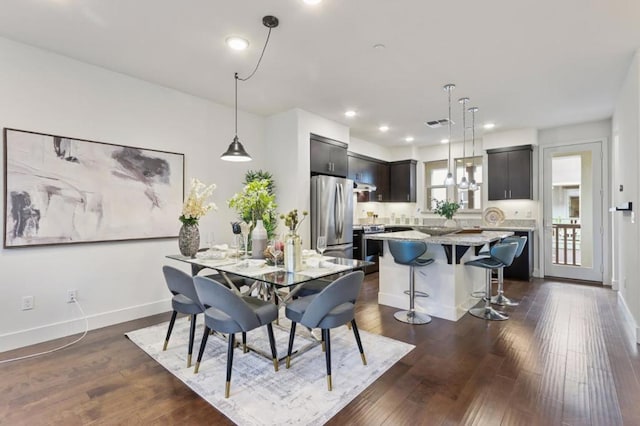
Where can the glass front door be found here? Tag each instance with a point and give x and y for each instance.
(573, 212)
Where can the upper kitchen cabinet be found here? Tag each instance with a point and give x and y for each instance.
(402, 181)
(510, 173)
(328, 156)
(363, 169)
(382, 183)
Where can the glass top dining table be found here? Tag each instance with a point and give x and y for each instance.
(313, 267)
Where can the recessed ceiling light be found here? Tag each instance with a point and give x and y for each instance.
(312, 2)
(383, 128)
(350, 113)
(409, 139)
(444, 141)
(489, 125)
(237, 43)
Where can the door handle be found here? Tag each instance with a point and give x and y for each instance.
(505, 193)
(509, 193)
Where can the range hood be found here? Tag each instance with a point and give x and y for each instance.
(363, 187)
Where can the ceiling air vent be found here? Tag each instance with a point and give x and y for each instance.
(438, 123)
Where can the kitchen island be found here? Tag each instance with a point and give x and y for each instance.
(448, 281)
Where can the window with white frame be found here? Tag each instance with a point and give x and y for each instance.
(471, 167)
(435, 173)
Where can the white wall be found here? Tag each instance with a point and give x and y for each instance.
(625, 156)
(508, 138)
(288, 157)
(53, 94)
(360, 146)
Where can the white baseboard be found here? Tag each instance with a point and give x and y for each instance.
(630, 320)
(615, 285)
(31, 336)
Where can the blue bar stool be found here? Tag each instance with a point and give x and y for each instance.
(501, 255)
(500, 299)
(408, 253)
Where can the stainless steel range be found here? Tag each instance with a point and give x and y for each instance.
(365, 249)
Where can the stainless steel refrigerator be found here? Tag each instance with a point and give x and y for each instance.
(332, 214)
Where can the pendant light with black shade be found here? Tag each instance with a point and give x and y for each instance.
(236, 151)
(449, 181)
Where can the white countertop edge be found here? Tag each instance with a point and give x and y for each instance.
(453, 239)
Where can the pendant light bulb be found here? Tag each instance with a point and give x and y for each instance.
(449, 181)
(464, 184)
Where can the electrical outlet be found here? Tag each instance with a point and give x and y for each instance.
(27, 303)
(72, 295)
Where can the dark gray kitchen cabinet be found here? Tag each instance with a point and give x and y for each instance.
(510, 173)
(363, 169)
(402, 181)
(382, 183)
(328, 156)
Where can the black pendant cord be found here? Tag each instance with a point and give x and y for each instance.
(259, 59)
(236, 78)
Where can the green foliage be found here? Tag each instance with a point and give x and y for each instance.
(445, 208)
(257, 200)
(253, 175)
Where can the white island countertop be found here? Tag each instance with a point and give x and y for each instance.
(449, 282)
(461, 239)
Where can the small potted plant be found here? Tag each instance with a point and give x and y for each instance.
(446, 209)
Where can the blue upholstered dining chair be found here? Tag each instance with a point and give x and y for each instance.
(227, 312)
(409, 253)
(500, 299)
(332, 307)
(185, 301)
(501, 255)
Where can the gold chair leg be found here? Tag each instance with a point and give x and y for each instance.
(195, 371)
(166, 342)
(227, 388)
(329, 385)
(189, 361)
(244, 348)
(364, 359)
(288, 361)
(275, 364)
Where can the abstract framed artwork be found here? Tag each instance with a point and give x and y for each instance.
(61, 190)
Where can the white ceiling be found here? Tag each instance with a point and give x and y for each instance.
(524, 63)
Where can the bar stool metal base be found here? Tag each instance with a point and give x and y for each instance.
(412, 317)
(488, 313)
(502, 300)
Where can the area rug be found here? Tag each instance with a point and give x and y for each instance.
(261, 396)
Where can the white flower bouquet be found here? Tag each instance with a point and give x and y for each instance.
(196, 206)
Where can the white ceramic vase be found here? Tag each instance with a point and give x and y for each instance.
(258, 240)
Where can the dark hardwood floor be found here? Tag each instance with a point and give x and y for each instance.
(563, 358)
